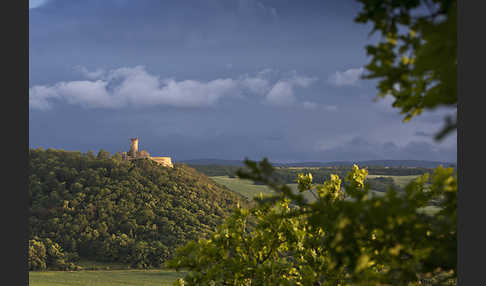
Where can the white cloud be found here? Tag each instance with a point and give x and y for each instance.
(282, 93)
(41, 96)
(134, 86)
(36, 3)
(348, 77)
(277, 88)
(131, 86)
(257, 85)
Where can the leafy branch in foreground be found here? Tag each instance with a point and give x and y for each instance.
(416, 59)
(344, 237)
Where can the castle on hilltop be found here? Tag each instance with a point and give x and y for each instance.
(134, 154)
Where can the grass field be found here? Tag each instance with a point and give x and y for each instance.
(249, 190)
(97, 265)
(243, 187)
(400, 181)
(104, 278)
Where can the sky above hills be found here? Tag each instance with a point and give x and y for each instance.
(222, 79)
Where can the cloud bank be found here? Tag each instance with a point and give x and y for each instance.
(135, 86)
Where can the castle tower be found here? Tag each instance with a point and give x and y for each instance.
(133, 147)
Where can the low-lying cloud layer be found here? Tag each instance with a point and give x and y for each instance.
(135, 86)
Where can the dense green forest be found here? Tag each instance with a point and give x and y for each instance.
(104, 209)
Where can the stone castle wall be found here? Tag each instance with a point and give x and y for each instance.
(164, 161)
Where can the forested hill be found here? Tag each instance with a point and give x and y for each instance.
(105, 209)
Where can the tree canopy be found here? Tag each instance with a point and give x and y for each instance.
(103, 209)
(416, 59)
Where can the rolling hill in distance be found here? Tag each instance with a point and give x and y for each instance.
(381, 163)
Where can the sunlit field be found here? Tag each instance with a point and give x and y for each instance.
(104, 277)
(250, 190)
(400, 181)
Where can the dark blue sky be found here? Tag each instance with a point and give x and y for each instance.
(215, 79)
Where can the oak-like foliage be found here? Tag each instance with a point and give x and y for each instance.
(345, 237)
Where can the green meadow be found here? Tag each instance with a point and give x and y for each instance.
(243, 187)
(250, 190)
(104, 277)
(400, 181)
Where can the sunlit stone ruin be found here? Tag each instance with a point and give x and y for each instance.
(134, 154)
